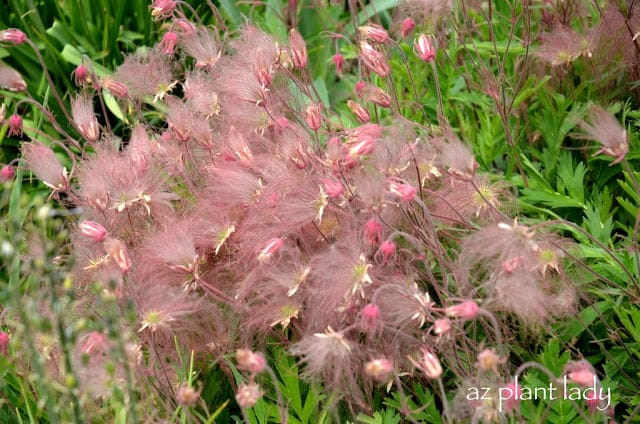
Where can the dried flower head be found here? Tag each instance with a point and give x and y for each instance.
(84, 118)
(606, 129)
(42, 161)
(298, 49)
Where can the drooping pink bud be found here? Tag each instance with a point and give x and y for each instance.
(169, 42)
(81, 75)
(581, 373)
(333, 188)
(387, 249)
(313, 116)
(298, 49)
(187, 395)
(510, 397)
(117, 251)
(373, 231)
(15, 125)
(7, 173)
(370, 316)
(185, 26)
(379, 369)
(360, 88)
(271, 248)
(425, 48)
(338, 61)
(466, 310)
(4, 343)
(406, 27)
(374, 60)
(374, 33)
(405, 191)
(361, 113)
(116, 88)
(253, 362)
(365, 145)
(441, 326)
(93, 230)
(95, 343)
(162, 9)
(13, 35)
(429, 364)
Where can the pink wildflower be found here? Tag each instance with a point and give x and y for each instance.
(12, 35)
(424, 48)
(338, 61)
(248, 395)
(84, 118)
(373, 231)
(92, 230)
(187, 395)
(169, 42)
(118, 89)
(7, 173)
(581, 373)
(429, 364)
(162, 9)
(374, 33)
(387, 250)
(406, 27)
(374, 59)
(441, 326)
(466, 310)
(405, 191)
(81, 75)
(271, 248)
(361, 113)
(298, 49)
(94, 343)
(117, 250)
(333, 188)
(15, 125)
(253, 362)
(313, 116)
(510, 395)
(42, 161)
(4, 343)
(10, 79)
(379, 369)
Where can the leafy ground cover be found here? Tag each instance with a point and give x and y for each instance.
(314, 212)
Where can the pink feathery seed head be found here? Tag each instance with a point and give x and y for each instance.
(456, 158)
(203, 45)
(162, 9)
(43, 162)
(399, 188)
(10, 79)
(374, 59)
(374, 33)
(424, 47)
(338, 61)
(429, 364)
(466, 310)
(117, 250)
(15, 125)
(248, 360)
(92, 230)
(581, 373)
(116, 88)
(406, 27)
(13, 36)
(313, 116)
(7, 173)
(604, 128)
(373, 231)
(248, 395)
(333, 188)
(379, 369)
(84, 118)
(441, 326)
(94, 343)
(4, 343)
(360, 112)
(298, 49)
(169, 42)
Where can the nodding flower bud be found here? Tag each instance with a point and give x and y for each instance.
(373, 231)
(13, 35)
(333, 188)
(441, 326)
(248, 395)
(361, 113)
(379, 369)
(370, 316)
(7, 173)
(338, 61)
(4, 343)
(387, 250)
(581, 373)
(95, 343)
(374, 60)
(162, 9)
(406, 27)
(253, 362)
(81, 75)
(465, 310)
(271, 248)
(374, 33)
(298, 49)
(313, 116)
(116, 88)
(93, 230)
(15, 125)
(169, 42)
(360, 87)
(405, 191)
(425, 48)
(117, 251)
(429, 364)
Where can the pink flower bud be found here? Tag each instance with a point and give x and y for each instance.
(117, 251)
(510, 395)
(429, 364)
(374, 32)
(488, 359)
(465, 310)
(162, 9)
(373, 231)
(370, 316)
(92, 230)
(360, 88)
(298, 49)
(365, 145)
(374, 60)
(169, 42)
(185, 26)
(379, 369)
(250, 361)
(13, 35)
(95, 343)
(333, 188)
(406, 27)
(7, 173)
(441, 326)
(338, 61)
(313, 116)
(424, 47)
(81, 75)
(405, 191)
(361, 113)
(118, 89)
(581, 373)
(4, 343)
(387, 249)
(15, 126)
(271, 248)
(248, 395)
